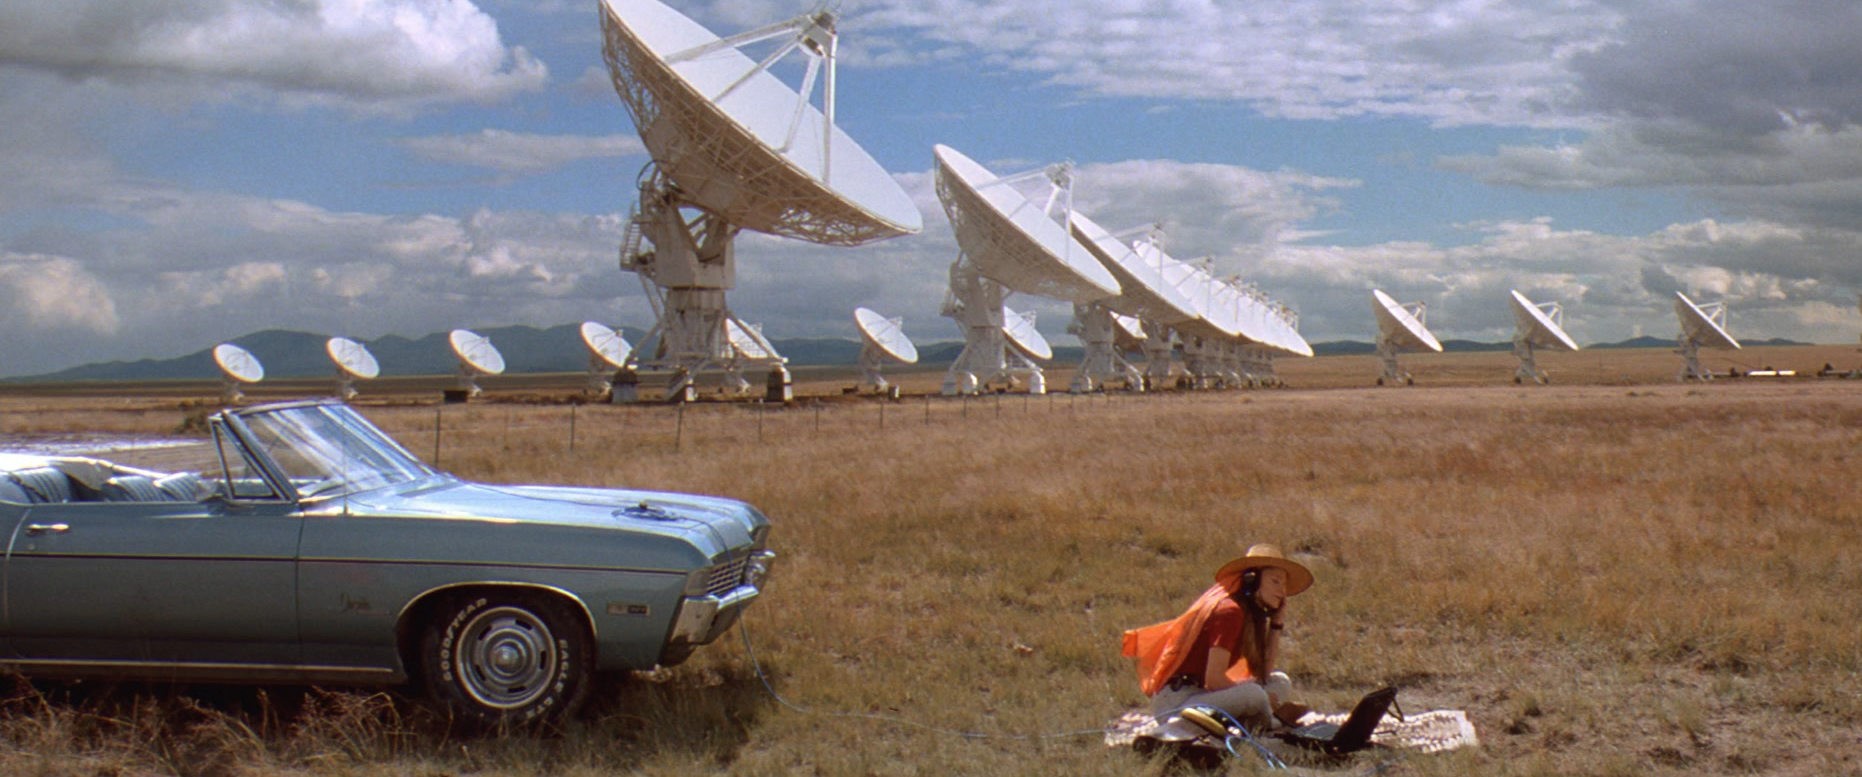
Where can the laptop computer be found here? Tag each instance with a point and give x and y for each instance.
(1351, 736)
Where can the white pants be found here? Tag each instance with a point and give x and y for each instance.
(1248, 701)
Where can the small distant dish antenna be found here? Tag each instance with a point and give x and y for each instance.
(1702, 326)
(733, 148)
(608, 352)
(881, 340)
(1008, 243)
(477, 356)
(353, 361)
(748, 348)
(1022, 335)
(1539, 325)
(1128, 333)
(1400, 328)
(239, 367)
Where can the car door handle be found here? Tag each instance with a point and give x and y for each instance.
(47, 528)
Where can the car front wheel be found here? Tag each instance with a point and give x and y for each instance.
(506, 659)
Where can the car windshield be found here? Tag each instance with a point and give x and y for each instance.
(330, 449)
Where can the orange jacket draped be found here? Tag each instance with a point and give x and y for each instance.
(1160, 647)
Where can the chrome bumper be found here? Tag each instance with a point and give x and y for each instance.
(702, 619)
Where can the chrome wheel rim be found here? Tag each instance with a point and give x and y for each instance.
(507, 657)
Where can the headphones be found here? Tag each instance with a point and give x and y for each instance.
(1250, 582)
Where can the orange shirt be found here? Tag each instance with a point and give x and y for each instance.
(1164, 649)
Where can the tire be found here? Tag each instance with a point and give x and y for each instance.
(506, 659)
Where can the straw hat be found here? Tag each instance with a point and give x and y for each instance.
(1265, 555)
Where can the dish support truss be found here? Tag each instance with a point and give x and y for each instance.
(1101, 362)
(685, 275)
(975, 303)
(872, 361)
(467, 378)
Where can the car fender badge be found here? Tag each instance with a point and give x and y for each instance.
(623, 608)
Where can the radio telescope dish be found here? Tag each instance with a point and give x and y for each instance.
(1147, 292)
(1128, 333)
(605, 345)
(238, 363)
(1537, 325)
(607, 351)
(737, 141)
(1013, 241)
(353, 361)
(239, 366)
(748, 341)
(1024, 337)
(477, 356)
(882, 339)
(1400, 328)
(1148, 287)
(734, 143)
(886, 334)
(1702, 326)
(1008, 243)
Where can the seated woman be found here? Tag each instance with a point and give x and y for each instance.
(1221, 652)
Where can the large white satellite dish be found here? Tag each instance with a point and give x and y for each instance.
(477, 356)
(881, 339)
(1146, 293)
(731, 141)
(353, 361)
(239, 366)
(1013, 241)
(1539, 325)
(1008, 243)
(607, 351)
(1400, 328)
(1702, 326)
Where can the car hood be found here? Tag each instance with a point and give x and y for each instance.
(714, 524)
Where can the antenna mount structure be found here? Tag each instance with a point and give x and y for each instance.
(1702, 326)
(733, 148)
(1399, 328)
(1537, 324)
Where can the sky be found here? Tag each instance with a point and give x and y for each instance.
(174, 173)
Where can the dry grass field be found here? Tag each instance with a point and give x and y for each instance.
(1615, 574)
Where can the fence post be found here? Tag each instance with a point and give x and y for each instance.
(678, 429)
(572, 427)
(437, 409)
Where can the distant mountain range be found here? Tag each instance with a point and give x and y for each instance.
(292, 354)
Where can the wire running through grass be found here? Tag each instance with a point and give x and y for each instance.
(743, 626)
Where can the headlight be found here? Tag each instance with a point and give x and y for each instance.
(758, 571)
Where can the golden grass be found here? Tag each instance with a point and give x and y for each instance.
(1653, 579)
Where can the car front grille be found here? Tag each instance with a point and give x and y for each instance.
(726, 576)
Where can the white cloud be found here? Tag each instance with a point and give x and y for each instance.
(380, 53)
(48, 293)
(521, 153)
(1447, 61)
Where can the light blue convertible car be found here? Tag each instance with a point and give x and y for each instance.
(318, 550)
